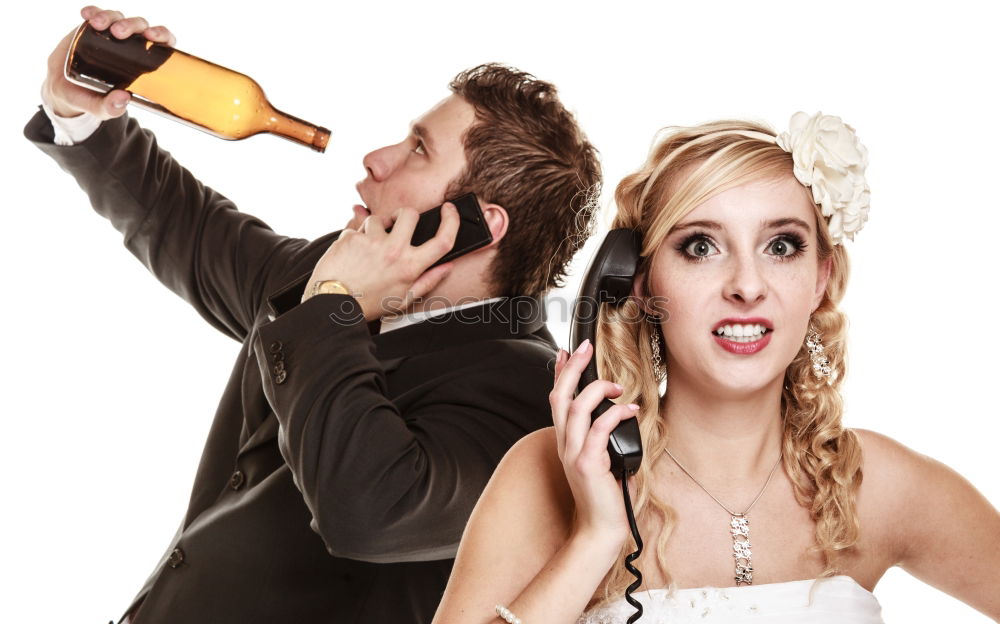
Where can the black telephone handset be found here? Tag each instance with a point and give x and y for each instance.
(609, 280)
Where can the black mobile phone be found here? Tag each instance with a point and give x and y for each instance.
(473, 231)
(609, 280)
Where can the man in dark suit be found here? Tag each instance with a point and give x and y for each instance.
(345, 457)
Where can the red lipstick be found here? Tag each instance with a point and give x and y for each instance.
(743, 348)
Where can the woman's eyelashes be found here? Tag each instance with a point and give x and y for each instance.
(786, 245)
(699, 246)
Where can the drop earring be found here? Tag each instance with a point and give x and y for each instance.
(820, 363)
(654, 344)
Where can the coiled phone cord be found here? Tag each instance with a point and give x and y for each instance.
(633, 556)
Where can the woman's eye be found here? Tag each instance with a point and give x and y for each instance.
(779, 248)
(783, 247)
(419, 149)
(700, 248)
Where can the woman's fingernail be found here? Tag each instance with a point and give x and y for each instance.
(583, 346)
(618, 386)
(633, 406)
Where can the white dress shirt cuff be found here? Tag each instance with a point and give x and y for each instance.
(72, 130)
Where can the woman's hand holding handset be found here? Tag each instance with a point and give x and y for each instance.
(546, 530)
(583, 450)
(564, 587)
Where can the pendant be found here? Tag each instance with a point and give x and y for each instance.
(740, 529)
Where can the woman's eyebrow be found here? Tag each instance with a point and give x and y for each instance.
(708, 225)
(772, 224)
(785, 222)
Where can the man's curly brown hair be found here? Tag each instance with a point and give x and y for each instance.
(526, 153)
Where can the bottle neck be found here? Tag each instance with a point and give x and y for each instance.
(297, 130)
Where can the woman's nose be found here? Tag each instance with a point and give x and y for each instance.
(746, 283)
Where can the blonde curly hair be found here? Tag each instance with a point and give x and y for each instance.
(686, 167)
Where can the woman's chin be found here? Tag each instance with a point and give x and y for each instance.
(738, 385)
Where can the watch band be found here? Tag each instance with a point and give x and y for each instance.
(326, 287)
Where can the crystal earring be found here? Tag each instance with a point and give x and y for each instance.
(654, 345)
(820, 363)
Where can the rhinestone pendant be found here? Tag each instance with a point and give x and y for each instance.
(739, 527)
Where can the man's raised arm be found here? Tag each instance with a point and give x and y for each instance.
(190, 237)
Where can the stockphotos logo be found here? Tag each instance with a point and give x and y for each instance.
(512, 311)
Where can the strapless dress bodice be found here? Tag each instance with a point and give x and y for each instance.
(834, 600)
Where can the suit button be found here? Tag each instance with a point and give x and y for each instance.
(275, 346)
(279, 368)
(278, 357)
(280, 377)
(176, 558)
(236, 481)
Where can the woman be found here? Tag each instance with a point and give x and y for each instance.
(741, 271)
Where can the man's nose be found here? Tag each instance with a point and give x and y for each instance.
(745, 284)
(382, 162)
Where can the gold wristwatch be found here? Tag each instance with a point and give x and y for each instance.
(326, 287)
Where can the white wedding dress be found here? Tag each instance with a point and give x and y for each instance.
(835, 600)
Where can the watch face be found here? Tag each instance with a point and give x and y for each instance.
(332, 287)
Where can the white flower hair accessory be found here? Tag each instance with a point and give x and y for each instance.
(830, 160)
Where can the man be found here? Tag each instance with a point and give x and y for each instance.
(341, 466)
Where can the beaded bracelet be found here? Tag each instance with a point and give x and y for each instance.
(505, 614)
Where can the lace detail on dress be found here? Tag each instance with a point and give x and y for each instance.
(837, 600)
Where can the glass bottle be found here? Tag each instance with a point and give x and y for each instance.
(220, 101)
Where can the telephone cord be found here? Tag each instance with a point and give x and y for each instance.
(633, 556)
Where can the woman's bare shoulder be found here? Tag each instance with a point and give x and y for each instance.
(520, 522)
(888, 460)
(527, 502)
(899, 482)
(890, 471)
(531, 474)
(935, 523)
(889, 467)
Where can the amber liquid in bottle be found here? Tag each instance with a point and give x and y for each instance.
(220, 101)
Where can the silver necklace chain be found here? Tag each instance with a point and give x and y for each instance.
(731, 512)
(739, 525)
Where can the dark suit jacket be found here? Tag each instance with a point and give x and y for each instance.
(340, 468)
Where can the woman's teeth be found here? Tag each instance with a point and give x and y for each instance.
(742, 333)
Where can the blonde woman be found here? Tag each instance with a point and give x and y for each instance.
(752, 498)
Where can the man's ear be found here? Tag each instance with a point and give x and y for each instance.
(497, 220)
(822, 278)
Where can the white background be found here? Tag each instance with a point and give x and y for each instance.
(110, 382)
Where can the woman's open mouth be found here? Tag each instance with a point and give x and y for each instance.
(743, 338)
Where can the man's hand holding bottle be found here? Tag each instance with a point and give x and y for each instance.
(69, 100)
